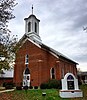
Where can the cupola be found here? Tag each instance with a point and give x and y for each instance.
(32, 27)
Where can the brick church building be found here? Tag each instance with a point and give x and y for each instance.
(37, 63)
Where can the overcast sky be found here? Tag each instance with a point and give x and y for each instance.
(61, 25)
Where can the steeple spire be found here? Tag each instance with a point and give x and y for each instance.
(32, 9)
(32, 26)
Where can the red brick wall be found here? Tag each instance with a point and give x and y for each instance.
(40, 63)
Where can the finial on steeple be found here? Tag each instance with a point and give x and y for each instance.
(32, 9)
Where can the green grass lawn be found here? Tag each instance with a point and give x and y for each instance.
(51, 94)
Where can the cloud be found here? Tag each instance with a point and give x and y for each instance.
(61, 25)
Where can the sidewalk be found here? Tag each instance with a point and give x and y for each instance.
(6, 90)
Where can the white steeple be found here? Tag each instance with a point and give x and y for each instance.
(32, 27)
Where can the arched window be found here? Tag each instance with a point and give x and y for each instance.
(35, 27)
(26, 59)
(29, 26)
(52, 73)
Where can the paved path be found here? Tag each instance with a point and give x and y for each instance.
(6, 90)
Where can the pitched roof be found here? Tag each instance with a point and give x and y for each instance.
(60, 55)
(31, 16)
(49, 49)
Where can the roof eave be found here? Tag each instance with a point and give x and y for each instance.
(68, 59)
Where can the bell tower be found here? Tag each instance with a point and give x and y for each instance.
(32, 27)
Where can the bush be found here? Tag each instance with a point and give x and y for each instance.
(31, 87)
(44, 86)
(18, 87)
(25, 87)
(8, 85)
(56, 84)
(35, 87)
(4, 84)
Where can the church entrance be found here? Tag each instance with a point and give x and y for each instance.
(26, 77)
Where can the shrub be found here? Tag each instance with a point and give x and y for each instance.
(18, 87)
(44, 86)
(4, 84)
(31, 87)
(56, 84)
(35, 87)
(25, 87)
(8, 85)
